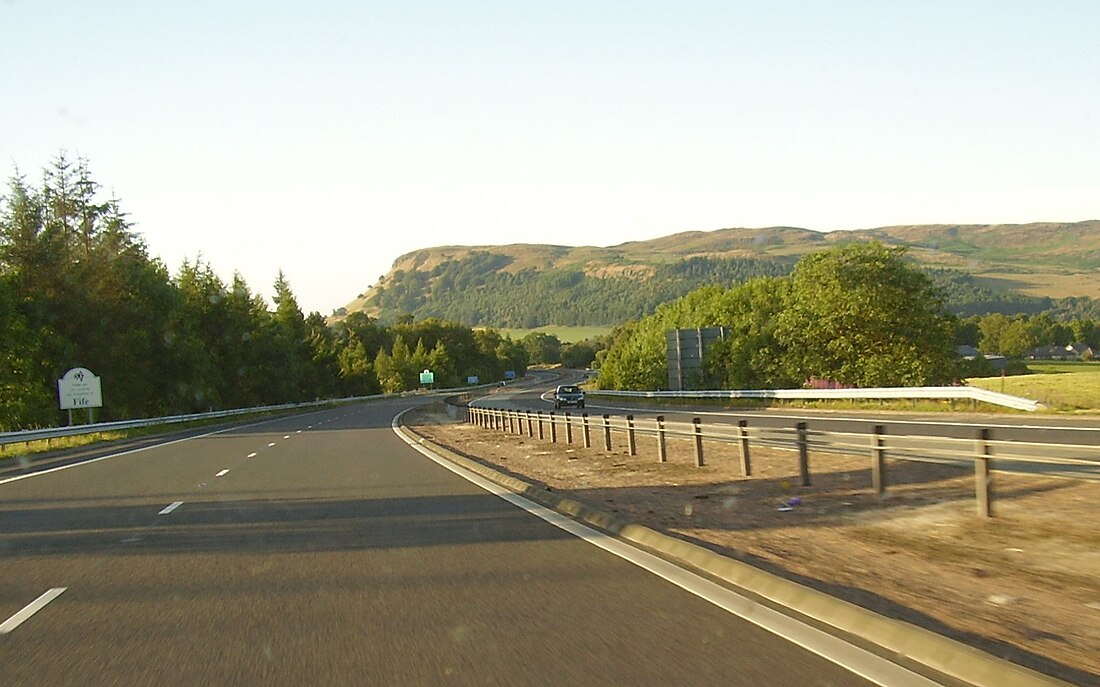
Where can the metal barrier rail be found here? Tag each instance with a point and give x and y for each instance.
(25, 436)
(981, 450)
(959, 393)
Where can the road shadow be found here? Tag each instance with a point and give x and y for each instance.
(267, 526)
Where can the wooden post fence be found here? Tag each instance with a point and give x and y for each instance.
(983, 478)
(803, 454)
(878, 463)
(697, 429)
(662, 451)
(743, 447)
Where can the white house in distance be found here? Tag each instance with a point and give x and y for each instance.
(1077, 351)
(998, 362)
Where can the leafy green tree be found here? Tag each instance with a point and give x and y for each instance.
(443, 366)
(751, 356)
(542, 348)
(24, 400)
(389, 375)
(582, 354)
(859, 314)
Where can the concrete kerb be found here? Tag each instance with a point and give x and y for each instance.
(900, 639)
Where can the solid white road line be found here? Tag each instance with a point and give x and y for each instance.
(859, 661)
(31, 608)
(170, 507)
(222, 473)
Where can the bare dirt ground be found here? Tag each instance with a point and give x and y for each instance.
(1024, 585)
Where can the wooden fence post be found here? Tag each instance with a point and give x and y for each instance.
(587, 434)
(803, 454)
(697, 429)
(538, 415)
(983, 478)
(662, 451)
(878, 463)
(530, 424)
(743, 446)
(607, 433)
(631, 443)
(568, 429)
(553, 429)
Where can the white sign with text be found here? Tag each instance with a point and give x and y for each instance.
(79, 388)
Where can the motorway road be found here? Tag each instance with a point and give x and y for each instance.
(322, 549)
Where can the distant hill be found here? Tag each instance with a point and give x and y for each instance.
(983, 268)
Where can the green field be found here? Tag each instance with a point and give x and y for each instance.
(564, 334)
(1067, 386)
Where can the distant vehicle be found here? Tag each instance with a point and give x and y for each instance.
(568, 395)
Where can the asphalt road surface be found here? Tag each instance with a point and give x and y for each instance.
(321, 549)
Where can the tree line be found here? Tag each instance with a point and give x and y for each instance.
(79, 289)
(854, 315)
(478, 289)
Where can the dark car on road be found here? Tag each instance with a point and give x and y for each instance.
(568, 395)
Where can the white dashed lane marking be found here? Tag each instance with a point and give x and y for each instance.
(251, 455)
(222, 473)
(170, 507)
(30, 609)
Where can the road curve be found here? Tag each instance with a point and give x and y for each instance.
(321, 549)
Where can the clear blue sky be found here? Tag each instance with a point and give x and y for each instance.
(326, 138)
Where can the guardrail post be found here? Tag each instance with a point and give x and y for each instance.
(553, 429)
(803, 454)
(743, 447)
(631, 443)
(697, 429)
(587, 434)
(568, 429)
(878, 462)
(538, 415)
(662, 450)
(607, 433)
(983, 478)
